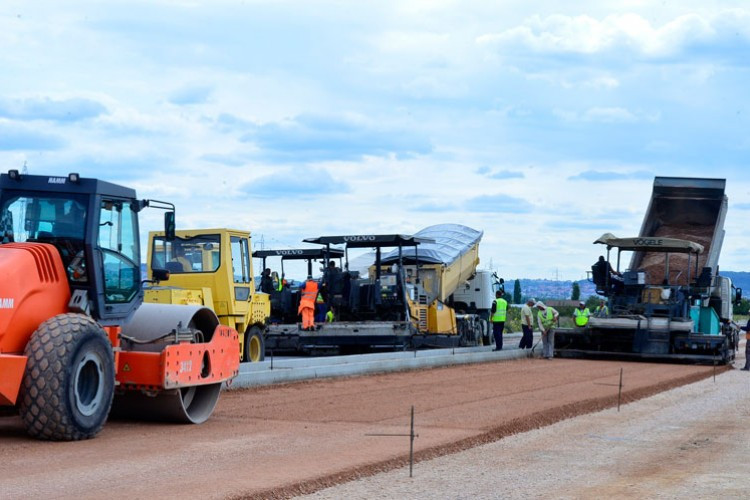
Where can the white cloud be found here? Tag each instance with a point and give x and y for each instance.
(626, 33)
(609, 115)
(602, 82)
(386, 111)
(605, 115)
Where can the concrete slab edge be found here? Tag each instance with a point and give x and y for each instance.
(282, 374)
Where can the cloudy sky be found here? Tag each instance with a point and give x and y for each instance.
(541, 123)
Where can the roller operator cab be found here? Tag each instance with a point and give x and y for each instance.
(212, 267)
(76, 342)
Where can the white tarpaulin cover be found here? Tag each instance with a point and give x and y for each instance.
(451, 241)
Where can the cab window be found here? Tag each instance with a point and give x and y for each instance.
(194, 254)
(118, 243)
(240, 260)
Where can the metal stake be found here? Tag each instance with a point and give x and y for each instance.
(619, 392)
(271, 360)
(411, 444)
(714, 368)
(411, 437)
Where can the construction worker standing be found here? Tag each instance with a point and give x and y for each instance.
(499, 313)
(601, 311)
(547, 317)
(746, 329)
(527, 325)
(308, 294)
(581, 314)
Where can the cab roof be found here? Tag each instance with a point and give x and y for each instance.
(72, 183)
(300, 253)
(371, 240)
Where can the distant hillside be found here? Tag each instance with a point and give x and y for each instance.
(550, 289)
(740, 279)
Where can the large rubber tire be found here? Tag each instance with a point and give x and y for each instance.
(255, 345)
(67, 389)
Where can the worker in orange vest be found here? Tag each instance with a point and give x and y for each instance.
(308, 294)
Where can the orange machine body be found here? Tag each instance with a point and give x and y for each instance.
(33, 288)
(181, 365)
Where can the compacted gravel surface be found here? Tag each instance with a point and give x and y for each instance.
(689, 442)
(276, 442)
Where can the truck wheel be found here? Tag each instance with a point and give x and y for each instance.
(255, 346)
(69, 381)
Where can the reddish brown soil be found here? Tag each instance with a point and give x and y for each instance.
(284, 440)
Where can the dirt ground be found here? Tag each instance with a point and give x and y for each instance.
(688, 442)
(286, 440)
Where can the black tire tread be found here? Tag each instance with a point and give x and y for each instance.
(43, 390)
(249, 333)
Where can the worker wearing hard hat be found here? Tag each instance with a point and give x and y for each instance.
(581, 315)
(547, 317)
(308, 294)
(746, 329)
(499, 313)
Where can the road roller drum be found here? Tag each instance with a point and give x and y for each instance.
(152, 328)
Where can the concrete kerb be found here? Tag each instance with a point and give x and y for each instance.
(291, 370)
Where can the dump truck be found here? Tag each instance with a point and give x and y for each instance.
(403, 301)
(213, 268)
(476, 296)
(76, 341)
(671, 302)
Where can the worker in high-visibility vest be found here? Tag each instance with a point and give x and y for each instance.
(547, 317)
(746, 329)
(601, 311)
(499, 313)
(275, 281)
(320, 307)
(581, 314)
(308, 293)
(329, 315)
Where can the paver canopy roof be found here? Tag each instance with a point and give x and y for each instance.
(300, 253)
(650, 244)
(370, 240)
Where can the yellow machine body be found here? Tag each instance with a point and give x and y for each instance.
(216, 272)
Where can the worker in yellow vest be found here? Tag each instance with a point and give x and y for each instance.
(547, 317)
(320, 307)
(581, 314)
(601, 311)
(499, 313)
